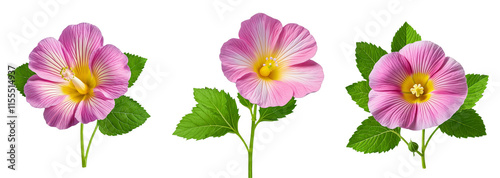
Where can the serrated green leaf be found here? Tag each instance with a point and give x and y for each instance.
(359, 93)
(245, 102)
(367, 55)
(464, 124)
(274, 113)
(22, 74)
(405, 35)
(371, 137)
(125, 117)
(215, 115)
(136, 64)
(476, 85)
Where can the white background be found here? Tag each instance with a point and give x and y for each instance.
(182, 41)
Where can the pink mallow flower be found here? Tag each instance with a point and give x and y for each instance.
(416, 88)
(270, 63)
(77, 78)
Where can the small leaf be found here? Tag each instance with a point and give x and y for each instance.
(22, 74)
(215, 115)
(464, 124)
(125, 116)
(371, 137)
(136, 64)
(274, 113)
(367, 55)
(476, 84)
(405, 35)
(359, 93)
(245, 102)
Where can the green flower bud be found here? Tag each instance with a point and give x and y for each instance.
(412, 146)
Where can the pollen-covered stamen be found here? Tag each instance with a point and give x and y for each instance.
(68, 75)
(417, 90)
(268, 66)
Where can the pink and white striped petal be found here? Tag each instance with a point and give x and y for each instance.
(424, 56)
(450, 79)
(295, 45)
(94, 108)
(42, 93)
(61, 115)
(265, 93)
(80, 41)
(48, 59)
(261, 33)
(237, 59)
(389, 72)
(391, 110)
(439, 108)
(109, 67)
(303, 78)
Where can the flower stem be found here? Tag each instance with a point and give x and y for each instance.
(252, 135)
(423, 148)
(401, 137)
(86, 155)
(424, 144)
(84, 161)
(90, 142)
(429, 139)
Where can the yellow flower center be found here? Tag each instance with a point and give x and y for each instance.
(68, 75)
(81, 83)
(417, 88)
(269, 65)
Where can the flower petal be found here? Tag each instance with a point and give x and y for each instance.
(390, 72)
(261, 33)
(80, 41)
(61, 115)
(450, 79)
(265, 93)
(295, 45)
(424, 56)
(439, 108)
(237, 59)
(303, 78)
(391, 110)
(42, 93)
(48, 59)
(94, 108)
(109, 67)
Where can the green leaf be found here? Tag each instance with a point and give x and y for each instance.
(405, 35)
(367, 55)
(371, 137)
(125, 116)
(215, 115)
(136, 64)
(359, 93)
(464, 124)
(476, 85)
(245, 102)
(274, 113)
(22, 74)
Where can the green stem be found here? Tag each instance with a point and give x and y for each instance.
(424, 144)
(399, 136)
(252, 135)
(407, 144)
(84, 161)
(86, 155)
(429, 139)
(423, 148)
(90, 142)
(243, 140)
